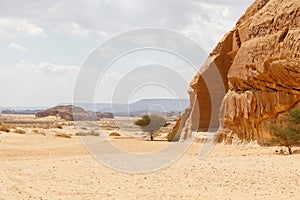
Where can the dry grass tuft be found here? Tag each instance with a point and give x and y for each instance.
(63, 135)
(20, 131)
(91, 133)
(38, 132)
(4, 128)
(57, 126)
(114, 134)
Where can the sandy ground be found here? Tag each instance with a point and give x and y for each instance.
(47, 167)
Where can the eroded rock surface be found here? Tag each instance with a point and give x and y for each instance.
(259, 62)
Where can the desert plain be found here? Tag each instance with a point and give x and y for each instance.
(41, 162)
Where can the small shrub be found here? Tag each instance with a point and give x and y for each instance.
(57, 126)
(63, 135)
(173, 135)
(90, 133)
(114, 134)
(11, 126)
(151, 124)
(20, 131)
(80, 134)
(42, 133)
(4, 128)
(35, 131)
(93, 133)
(45, 126)
(167, 124)
(288, 135)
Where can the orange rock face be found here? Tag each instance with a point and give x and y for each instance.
(259, 62)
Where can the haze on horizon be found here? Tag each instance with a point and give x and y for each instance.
(44, 43)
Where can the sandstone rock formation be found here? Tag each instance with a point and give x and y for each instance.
(101, 115)
(73, 113)
(259, 62)
(69, 113)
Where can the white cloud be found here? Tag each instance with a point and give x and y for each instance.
(70, 28)
(105, 18)
(46, 68)
(11, 27)
(42, 84)
(78, 30)
(14, 47)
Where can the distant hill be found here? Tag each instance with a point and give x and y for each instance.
(21, 110)
(136, 108)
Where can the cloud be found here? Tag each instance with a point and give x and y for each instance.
(11, 27)
(103, 18)
(46, 68)
(42, 84)
(73, 27)
(14, 47)
(78, 30)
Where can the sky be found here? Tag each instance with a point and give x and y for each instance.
(44, 44)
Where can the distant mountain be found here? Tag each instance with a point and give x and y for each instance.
(21, 110)
(136, 108)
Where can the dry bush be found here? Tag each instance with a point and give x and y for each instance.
(114, 134)
(45, 126)
(63, 135)
(20, 131)
(35, 131)
(57, 126)
(4, 128)
(288, 134)
(38, 132)
(81, 134)
(42, 133)
(10, 126)
(90, 133)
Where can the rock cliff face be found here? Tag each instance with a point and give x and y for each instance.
(259, 62)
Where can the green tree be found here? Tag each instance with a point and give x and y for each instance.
(288, 135)
(151, 124)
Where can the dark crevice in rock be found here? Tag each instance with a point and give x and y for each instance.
(296, 89)
(283, 35)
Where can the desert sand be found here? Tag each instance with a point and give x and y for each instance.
(35, 166)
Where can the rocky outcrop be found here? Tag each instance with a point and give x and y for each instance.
(259, 65)
(69, 113)
(73, 113)
(106, 115)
